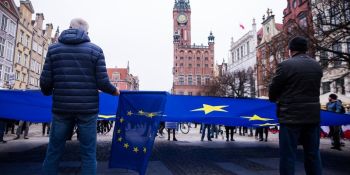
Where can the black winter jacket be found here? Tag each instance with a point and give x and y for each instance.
(296, 89)
(73, 72)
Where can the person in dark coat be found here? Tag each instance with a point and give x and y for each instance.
(73, 73)
(296, 90)
(334, 105)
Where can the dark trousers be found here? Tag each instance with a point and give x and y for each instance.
(169, 130)
(261, 131)
(335, 135)
(2, 130)
(48, 126)
(203, 131)
(309, 136)
(161, 128)
(229, 132)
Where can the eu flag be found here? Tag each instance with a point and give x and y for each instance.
(137, 121)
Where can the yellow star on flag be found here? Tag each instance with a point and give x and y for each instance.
(126, 145)
(208, 109)
(144, 149)
(136, 149)
(141, 112)
(257, 118)
(267, 124)
(129, 113)
(120, 139)
(119, 131)
(150, 115)
(121, 120)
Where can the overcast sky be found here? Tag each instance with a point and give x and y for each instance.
(140, 31)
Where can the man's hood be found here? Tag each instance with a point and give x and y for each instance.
(73, 36)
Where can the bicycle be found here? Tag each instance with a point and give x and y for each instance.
(185, 127)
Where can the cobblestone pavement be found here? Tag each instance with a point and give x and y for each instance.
(188, 156)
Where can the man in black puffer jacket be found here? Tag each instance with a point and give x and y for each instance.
(296, 89)
(73, 73)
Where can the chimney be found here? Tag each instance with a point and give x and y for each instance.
(48, 30)
(39, 20)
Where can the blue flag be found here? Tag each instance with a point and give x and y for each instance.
(137, 121)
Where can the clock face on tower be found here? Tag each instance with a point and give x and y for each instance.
(182, 19)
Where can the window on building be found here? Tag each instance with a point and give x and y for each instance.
(4, 22)
(238, 54)
(2, 47)
(24, 79)
(337, 47)
(25, 59)
(207, 80)
(190, 58)
(9, 51)
(181, 58)
(115, 76)
(19, 57)
(198, 65)
(21, 36)
(27, 40)
(248, 50)
(35, 46)
(40, 50)
(206, 59)
(11, 29)
(199, 80)
(17, 75)
(7, 73)
(190, 93)
(294, 3)
(189, 65)
(189, 80)
(181, 80)
(206, 65)
(198, 58)
(324, 58)
(241, 51)
(181, 64)
(180, 93)
(303, 20)
(0, 71)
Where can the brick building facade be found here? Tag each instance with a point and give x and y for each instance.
(122, 78)
(193, 64)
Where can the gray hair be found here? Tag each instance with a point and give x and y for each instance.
(78, 23)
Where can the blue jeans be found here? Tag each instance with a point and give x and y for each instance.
(306, 135)
(203, 131)
(2, 129)
(62, 126)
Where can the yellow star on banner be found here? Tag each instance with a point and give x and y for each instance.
(150, 115)
(129, 113)
(106, 116)
(144, 149)
(141, 112)
(257, 118)
(136, 149)
(208, 109)
(119, 131)
(121, 120)
(126, 145)
(120, 139)
(267, 124)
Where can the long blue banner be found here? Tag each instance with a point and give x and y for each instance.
(32, 106)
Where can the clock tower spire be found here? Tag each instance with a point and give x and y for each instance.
(182, 22)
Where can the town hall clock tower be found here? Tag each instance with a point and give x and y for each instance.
(193, 64)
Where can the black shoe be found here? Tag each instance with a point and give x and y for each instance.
(227, 140)
(26, 138)
(202, 140)
(265, 140)
(233, 140)
(260, 140)
(209, 140)
(16, 138)
(174, 139)
(336, 148)
(168, 138)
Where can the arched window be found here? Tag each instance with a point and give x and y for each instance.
(294, 3)
(302, 20)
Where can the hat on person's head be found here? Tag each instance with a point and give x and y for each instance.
(298, 43)
(333, 96)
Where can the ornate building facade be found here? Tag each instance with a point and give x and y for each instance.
(9, 16)
(193, 64)
(243, 58)
(23, 45)
(269, 52)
